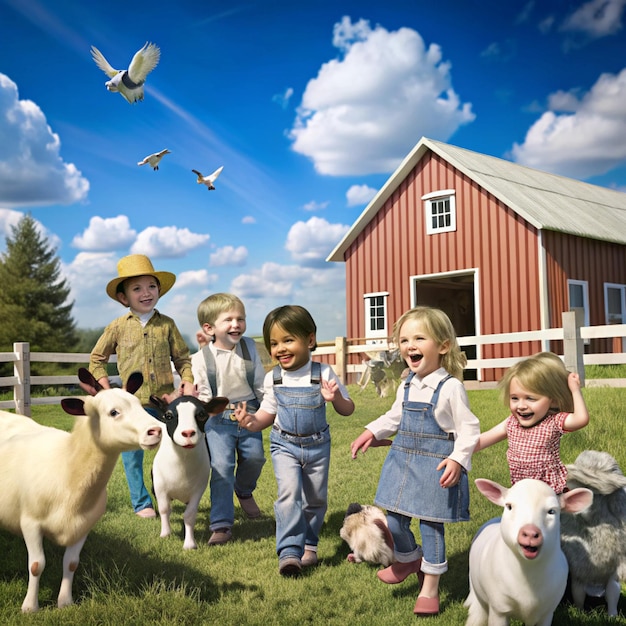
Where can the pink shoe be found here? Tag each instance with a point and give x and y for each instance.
(425, 607)
(397, 572)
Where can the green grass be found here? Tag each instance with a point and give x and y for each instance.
(128, 575)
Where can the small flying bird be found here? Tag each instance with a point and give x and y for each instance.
(129, 82)
(208, 180)
(154, 159)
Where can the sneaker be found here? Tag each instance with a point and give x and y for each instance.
(309, 559)
(146, 513)
(220, 536)
(249, 506)
(290, 566)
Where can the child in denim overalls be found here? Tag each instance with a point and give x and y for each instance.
(294, 404)
(425, 473)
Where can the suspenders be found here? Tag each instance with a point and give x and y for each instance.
(211, 369)
(316, 374)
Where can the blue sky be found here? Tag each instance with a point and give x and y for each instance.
(309, 106)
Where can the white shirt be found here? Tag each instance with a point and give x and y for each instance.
(452, 413)
(296, 378)
(230, 374)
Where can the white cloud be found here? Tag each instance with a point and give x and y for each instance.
(270, 280)
(167, 242)
(365, 110)
(311, 242)
(248, 219)
(597, 18)
(229, 255)
(194, 278)
(32, 172)
(112, 233)
(10, 218)
(315, 206)
(283, 98)
(590, 141)
(360, 194)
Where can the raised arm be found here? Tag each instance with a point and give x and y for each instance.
(580, 417)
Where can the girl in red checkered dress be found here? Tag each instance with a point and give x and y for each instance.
(545, 402)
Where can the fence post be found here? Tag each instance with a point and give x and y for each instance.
(21, 369)
(573, 345)
(341, 358)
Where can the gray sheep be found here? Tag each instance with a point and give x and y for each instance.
(594, 541)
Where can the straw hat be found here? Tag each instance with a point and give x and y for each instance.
(139, 265)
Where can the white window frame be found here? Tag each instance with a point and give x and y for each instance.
(429, 200)
(585, 296)
(376, 336)
(622, 290)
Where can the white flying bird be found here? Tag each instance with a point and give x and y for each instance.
(208, 180)
(154, 159)
(129, 82)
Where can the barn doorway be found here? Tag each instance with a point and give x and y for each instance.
(455, 295)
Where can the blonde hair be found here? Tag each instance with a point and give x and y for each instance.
(543, 374)
(210, 308)
(293, 319)
(441, 330)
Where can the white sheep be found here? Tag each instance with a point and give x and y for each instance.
(181, 466)
(53, 483)
(594, 541)
(517, 569)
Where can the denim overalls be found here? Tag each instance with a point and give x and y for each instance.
(300, 449)
(409, 480)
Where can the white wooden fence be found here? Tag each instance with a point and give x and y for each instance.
(573, 335)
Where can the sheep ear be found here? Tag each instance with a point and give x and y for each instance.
(135, 380)
(216, 405)
(156, 408)
(491, 490)
(87, 382)
(576, 500)
(73, 406)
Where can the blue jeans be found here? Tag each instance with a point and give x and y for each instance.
(231, 445)
(301, 468)
(433, 547)
(133, 467)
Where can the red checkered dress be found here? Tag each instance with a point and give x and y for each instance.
(534, 452)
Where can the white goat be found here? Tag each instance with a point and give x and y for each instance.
(53, 482)
(516, 567)
(594, 541)
(181, 466)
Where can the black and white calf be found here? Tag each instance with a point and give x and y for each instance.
(181, 466)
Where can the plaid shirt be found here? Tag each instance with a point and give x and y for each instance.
(535, 452)
(150, 349)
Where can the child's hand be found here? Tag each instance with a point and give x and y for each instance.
(329, 389)
(451, 474)
(362, 442)
(573, 381)
(187, 389)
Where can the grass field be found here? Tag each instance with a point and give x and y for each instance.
(128, 575)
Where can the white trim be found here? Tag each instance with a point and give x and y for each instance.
(439, 194)
(375, 293)
(375, 336)
(544, 300)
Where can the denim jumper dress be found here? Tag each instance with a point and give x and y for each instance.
(300, 449)
(409, 480)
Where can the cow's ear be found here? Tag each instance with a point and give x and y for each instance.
(135, 380)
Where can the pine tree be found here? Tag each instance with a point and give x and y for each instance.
(33, 300)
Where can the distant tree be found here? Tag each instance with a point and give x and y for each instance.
(33, 299)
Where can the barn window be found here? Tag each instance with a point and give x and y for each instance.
(376, 316)
(440, 211)
(579, 297)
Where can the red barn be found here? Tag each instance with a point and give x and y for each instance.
(500, 247)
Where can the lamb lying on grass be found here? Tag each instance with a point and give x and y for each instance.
(53, 483)
(181, 467)
(594, 541)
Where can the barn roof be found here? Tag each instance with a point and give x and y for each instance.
(547, 201)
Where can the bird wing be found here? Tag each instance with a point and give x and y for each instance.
(197, 173)
(162, 153)
(102, 63)
(144, 61)
(146, 160)
(215, 174)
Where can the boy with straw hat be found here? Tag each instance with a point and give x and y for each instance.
(145, 341)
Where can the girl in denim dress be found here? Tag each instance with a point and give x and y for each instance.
(424, 475)
(294, 404)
